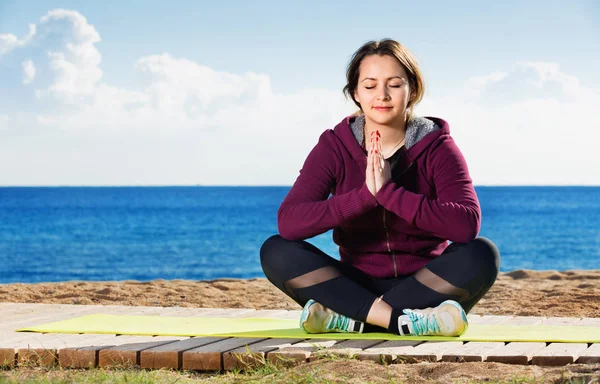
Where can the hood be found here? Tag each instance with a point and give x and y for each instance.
(420, 133)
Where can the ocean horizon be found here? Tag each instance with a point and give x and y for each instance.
(116, 233)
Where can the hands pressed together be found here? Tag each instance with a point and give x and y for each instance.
(378, 169)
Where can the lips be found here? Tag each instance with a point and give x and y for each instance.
(383, 108)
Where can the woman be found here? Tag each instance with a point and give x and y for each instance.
(400, 190)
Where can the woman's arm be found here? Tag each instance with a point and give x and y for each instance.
(306, 211)
(455, 214)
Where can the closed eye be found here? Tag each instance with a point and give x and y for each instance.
(391, 86)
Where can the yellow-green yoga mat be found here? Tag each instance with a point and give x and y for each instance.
(276, 328)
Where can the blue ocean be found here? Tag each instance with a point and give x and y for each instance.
(50, 234)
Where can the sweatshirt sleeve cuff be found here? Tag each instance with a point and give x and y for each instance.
(355, 203)
(400, 201)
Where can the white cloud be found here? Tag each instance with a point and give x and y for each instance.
(4, 121)
(549, 72)
(187, 123)
(28, 71)
(73, 56)
(537, 140)
(191, 124)
(476, 84)
(8, 42)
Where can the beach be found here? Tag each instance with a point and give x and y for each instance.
(574, 293)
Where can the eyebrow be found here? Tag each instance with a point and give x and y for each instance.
(389, 78)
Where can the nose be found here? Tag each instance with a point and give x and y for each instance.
(382, 94)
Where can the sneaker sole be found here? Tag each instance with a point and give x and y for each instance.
(462, 312)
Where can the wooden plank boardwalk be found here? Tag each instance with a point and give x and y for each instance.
(218, 353)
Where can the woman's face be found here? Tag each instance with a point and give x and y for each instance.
(382, 91)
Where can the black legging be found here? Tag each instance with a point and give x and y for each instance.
(464, 272)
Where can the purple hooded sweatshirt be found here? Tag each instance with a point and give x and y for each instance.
(407, 223)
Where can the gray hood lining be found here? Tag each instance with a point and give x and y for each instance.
(416, 129)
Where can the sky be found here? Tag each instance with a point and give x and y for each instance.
(238, 93)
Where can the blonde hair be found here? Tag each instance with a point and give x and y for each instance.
(399, 52)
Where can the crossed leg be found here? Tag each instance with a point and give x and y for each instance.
(464, 272)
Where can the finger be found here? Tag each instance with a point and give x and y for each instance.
(371, 170)
(378, 156)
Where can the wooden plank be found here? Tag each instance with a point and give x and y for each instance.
(516, 352)
(37, 357)
(254, 355)
(431, 351)
(300, 352)
(188, 312)
(38, 350)
(8, 311)
(558, 354)
(520, 353)
(81, 357)
(46, 353)
(34, 346)
(589, 322)
(231, 312)
(290, 315)
(129, 354)
(41, 316)
(17, 339)
(41, 340)
(37, 310)
(171, 355)
(490, 320)
(350, 348)
(590, 356)
(84, 352)
(209, 357)
(64, 314)
(50, 312)
(29, 310)
(524, 320)
(8, 357)
(562, 321)
(25, 339)
(472, 351)
(274, 313)
(12, 353)
(388, 351)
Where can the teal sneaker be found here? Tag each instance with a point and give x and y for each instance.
(316, 318)
(447, 319)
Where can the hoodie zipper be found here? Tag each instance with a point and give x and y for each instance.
(387, 235)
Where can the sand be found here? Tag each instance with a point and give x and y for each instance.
(522, 292)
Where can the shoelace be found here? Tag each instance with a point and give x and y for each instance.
(423, 325)
(337, 322)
